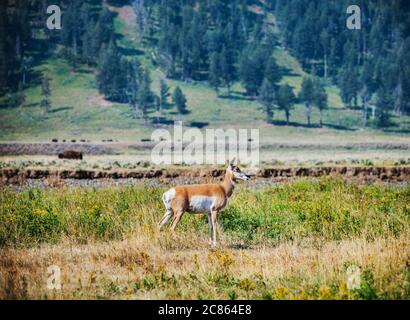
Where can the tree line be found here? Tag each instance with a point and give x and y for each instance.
(87, 37)
(221, 42)
(371, 66)
(224, 42)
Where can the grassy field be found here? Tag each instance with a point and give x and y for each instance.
(80, 112)
(292, 241)
(272, 157)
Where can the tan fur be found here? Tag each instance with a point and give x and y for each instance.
(220, 192)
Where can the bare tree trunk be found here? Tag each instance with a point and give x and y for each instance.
(321, 118)
(18, 46)
(141, 15)
(364, 110)
(23, 81)
(308, 113)
(398, 98)
(159, 112)
(137, 111)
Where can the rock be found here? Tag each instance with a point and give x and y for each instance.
(70, 154)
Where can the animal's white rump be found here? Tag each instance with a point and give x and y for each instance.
(167, 198)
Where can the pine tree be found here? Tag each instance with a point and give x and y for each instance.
(120, 79)
(404, 59)
(272, 72)
(286, 100)
(349, 87)
(103, 32)
(163, 97)
(145, 97)
(163, 94)
(180, 100)
(4, 55)
(87, 53)
(252, 67)
(141, 17)
(186, 57)
(105, 26)
(354, 87)
(107, 69)
(367, 84)
(70, 33)
(227, 68)
(307, 95)
(215, 72)
(384, 106)
(45, 92)
(132, 88)
(325, 43)
(267, 98)
(20, 96)
(196, 34)
(320, 98)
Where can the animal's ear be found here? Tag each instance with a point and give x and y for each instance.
(232, 162)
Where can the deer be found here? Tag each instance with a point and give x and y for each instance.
(208, 199)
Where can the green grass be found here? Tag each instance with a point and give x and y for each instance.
(80, 112)
(293, 241)
(328, 209)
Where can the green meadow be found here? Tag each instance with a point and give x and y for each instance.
(291, 241)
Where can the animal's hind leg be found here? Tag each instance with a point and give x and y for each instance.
(178, 216)
(167, 216)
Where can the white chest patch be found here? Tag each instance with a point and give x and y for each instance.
(201, 203)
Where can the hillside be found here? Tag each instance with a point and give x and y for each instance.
(79, 111)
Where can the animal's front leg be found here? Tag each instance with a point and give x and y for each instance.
(210, 228)
(213, 219)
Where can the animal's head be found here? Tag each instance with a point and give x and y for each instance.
(236, 172)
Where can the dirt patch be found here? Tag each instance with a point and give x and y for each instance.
(10, 176)
(53, 148)
(98, 149)
(125, 13)
(100, 101)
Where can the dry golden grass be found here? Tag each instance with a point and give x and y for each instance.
(149, 267)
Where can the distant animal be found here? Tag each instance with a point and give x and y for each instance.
(201, 198)
(70, 154)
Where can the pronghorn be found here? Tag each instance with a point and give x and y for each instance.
(201, 198)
